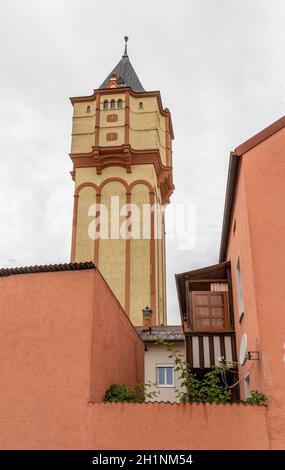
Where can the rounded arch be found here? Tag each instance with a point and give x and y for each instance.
(112, 180)
(146, 183)
(84, 185)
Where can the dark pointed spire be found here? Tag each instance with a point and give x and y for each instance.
(126, 46)
(125, 73)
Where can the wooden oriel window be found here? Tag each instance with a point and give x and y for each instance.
(210, 311)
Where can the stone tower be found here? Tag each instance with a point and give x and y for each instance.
(122, 159)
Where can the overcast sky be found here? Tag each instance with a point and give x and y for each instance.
(218, 63)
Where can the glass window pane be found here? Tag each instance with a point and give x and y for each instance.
(217, 299)
(161, 375)
(203, 323)
(201, 299)
(218, 311)
(202, 311)
(169, 378)
(218, 323)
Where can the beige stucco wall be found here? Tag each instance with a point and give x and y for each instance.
(112, 250)
(157, 355)
(147, 130)
(140, 261)
(147, 126)
(112, 253)
(84, 244)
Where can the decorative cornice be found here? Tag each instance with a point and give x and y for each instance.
(125, 156)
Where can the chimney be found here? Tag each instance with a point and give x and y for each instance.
(147, 317)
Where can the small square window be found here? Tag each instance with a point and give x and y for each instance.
(165, 376)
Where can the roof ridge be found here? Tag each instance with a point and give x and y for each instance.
(260, 136)
(47, 268)
(126, 72)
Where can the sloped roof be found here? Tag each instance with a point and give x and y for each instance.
(47, 268)
(260, 137)
(216, 271)
(163, 332)
(126, 75)
(233, 173)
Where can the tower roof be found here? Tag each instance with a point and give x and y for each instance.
(125, 73)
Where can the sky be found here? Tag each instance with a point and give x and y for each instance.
(219, 65)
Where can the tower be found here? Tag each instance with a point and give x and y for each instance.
(122, 161)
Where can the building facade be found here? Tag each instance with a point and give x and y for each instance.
(253, 243)
(159, 364)
(246, 324)
(122, 169)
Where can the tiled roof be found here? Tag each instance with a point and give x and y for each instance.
(47, 268)
(163, 332)
(126, 75)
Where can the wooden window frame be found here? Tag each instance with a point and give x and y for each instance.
(209, 305)
(164, 366)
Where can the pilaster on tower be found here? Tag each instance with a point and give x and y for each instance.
(122, 146)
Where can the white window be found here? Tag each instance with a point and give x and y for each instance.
(247, 386)
(165, 376)
(239, 290)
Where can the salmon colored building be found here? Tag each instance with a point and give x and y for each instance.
(62, 328)
(235, 310)
(253, 241)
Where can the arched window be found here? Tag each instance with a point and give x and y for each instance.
(141, 105)
(106, 104)
(113, 104)
(88, 109)
(120, 104)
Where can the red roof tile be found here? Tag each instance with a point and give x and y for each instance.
(163, 332)
(47, 268)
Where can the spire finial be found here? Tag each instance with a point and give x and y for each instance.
(126, 46)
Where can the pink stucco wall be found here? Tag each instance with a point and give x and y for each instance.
(259, 240)
(139, 426)
(178, 426)
(63, 340)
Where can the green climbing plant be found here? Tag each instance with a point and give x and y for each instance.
(135, 394)
(209, 389)
(256, 398)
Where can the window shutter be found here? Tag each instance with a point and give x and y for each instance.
(210, 311)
